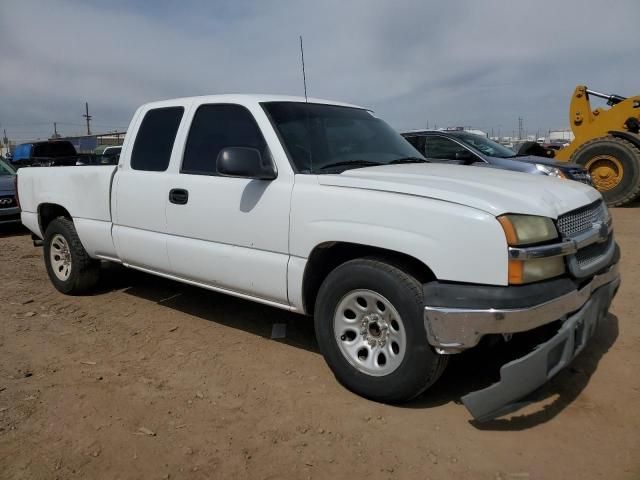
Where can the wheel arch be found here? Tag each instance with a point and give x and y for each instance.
(47, 212)
(325, 257)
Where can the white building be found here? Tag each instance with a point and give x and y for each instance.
(560, 136)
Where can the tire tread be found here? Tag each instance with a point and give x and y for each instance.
(408, 283)
(85, 270)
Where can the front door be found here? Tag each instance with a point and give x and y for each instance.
(230, 233)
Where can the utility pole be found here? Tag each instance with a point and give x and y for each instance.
(87, 117)
(520, 128)
(55, 130)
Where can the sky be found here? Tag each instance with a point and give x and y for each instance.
(416, 63)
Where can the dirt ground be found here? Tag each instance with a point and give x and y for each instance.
(151, 379)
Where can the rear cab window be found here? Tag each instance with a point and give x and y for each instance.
(155, 138)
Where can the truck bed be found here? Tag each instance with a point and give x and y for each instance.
(84, 191)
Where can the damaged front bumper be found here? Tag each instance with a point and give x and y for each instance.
(452, 330)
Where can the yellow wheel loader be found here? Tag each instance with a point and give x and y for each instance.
(606, 143)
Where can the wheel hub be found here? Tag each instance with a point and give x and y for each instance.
(369, 332)
(374, 330)
(606, 171)
(60, 257)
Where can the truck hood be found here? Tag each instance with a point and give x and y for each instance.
(492, 191)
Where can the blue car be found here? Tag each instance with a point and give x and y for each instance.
(465, 148)
(47, 153)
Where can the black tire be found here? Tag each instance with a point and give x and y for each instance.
(629, 157)
(84, 271)
(421, 365)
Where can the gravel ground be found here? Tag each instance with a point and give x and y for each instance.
(148, 378)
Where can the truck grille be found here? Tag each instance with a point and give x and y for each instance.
(8, 201)
(596, 256)
(582, 219)
(592, 253)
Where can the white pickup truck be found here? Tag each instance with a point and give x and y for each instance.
(321, 208)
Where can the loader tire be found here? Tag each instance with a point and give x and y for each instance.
(614, 165)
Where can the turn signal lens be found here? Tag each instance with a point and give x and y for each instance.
(527, 271)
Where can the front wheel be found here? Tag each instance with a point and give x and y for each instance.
(370, 329)
(69, 266)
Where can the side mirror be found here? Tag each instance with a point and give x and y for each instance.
(244, 162)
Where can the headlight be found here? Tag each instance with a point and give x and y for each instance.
(551, 171)
(524, 230)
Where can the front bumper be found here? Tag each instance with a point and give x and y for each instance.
(451, 330)
(523, 376)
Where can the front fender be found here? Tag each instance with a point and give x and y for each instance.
(456, 242)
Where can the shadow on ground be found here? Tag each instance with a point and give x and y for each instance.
(467, 372)
(13, 230)
(226, 310)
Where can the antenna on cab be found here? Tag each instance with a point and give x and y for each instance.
(304, 75)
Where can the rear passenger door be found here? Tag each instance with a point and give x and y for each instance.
(229, 233)
(139, 193)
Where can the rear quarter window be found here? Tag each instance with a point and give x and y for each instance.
(155, 138)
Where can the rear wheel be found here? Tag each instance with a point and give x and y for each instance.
(69, 266)
(370, 329)
(614, 165)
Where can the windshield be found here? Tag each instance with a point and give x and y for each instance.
(6, 169)
(325, 138)
(486, 146)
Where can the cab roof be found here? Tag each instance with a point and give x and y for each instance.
(245, 98)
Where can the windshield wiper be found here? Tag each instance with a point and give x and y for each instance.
(408, 160)
(348, 163)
